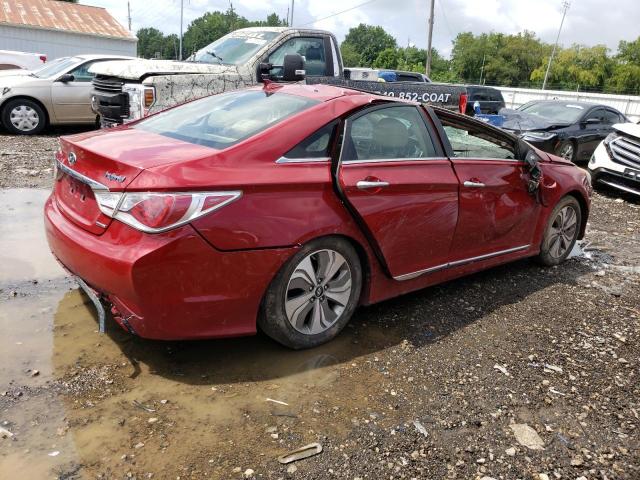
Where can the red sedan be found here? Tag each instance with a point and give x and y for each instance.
(286, 207)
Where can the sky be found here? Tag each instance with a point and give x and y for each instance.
(588, 22)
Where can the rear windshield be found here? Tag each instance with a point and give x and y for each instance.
(485, 95)
(221, 121)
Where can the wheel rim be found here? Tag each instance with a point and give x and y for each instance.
(24, 118)
(563, 231)
(566, 151)
(318, 292)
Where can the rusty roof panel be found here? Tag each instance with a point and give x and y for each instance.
(55, 15)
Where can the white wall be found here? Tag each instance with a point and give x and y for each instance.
(61, 44)
(627, 104)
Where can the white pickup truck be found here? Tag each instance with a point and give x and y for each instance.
(126, 91)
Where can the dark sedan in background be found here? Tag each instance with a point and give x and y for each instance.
(571, 130)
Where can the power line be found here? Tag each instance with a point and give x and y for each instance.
(565, 5)
(339, 13)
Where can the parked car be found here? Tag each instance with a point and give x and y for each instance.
(12, 60)
(616, 161)
(571, 130)
(287, 206)
(58, 93)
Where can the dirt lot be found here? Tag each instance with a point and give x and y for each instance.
(519, 372)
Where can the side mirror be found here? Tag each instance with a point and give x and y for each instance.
(264, 70)
(293, 68)
(67, 77)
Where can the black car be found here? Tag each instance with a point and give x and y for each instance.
(571, 130)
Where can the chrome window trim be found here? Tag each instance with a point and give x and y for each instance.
(303, 160)
(511, 160)
(392, 160)
(82, 178)
(458, 263)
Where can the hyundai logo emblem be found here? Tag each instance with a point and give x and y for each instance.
(72, 158)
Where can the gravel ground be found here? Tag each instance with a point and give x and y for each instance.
(519, 372)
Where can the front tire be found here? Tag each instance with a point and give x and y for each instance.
(23, 117)
(567, 150)
(561, 233)
(314, 295)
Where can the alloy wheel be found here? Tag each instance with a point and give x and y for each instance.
(24, 118)
(318, 292)
(563, 231)
(566, 151)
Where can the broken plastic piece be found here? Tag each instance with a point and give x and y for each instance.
(96, 301)
(301, 453)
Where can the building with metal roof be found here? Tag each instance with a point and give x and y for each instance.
(60, 29)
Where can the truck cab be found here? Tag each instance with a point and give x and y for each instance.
(125, 92)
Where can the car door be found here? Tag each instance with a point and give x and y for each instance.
(497, 215)
(400, 187)
(72, 100)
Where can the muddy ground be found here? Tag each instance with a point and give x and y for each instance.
(443, 383)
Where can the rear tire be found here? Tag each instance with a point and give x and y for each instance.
(561, 233)
(314, 294)
(23, 117)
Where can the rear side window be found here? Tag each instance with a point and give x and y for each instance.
(221, 121)
(316, 145)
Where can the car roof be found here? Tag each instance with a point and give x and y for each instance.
(319, 91)
(93, 56)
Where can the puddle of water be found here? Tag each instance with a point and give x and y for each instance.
(82, 403)
(24, 253)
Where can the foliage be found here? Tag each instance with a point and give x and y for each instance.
(350, 58)
(368, 42)
(576, 67)
(152, 43)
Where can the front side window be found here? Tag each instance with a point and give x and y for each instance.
(388, 134)
(81, 73)
(310, 48)
(469, 140)
(220, 121)
(611, 117)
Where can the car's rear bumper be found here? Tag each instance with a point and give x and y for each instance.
(166, 286)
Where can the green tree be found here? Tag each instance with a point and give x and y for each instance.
(209, 27)
(389, 58)
(577, 67)
(368, 42)
(151, 42)
(625, 76)
(350, 58)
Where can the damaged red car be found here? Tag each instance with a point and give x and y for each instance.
(288, 206)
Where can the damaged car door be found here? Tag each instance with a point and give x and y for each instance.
(400, 186)
(497, 211)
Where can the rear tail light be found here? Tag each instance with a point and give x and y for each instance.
(159, 212)
(462, 105)
(43, 58)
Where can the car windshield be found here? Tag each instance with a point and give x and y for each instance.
(556, 112)
(220, 121)
(56, 67)
(234, 48)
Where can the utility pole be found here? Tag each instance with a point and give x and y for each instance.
(292, 4)
(129, 14)
(565, 6)
(428, 69)
(288, 24)
(181, 17)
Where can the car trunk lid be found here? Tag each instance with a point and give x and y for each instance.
(109, 161)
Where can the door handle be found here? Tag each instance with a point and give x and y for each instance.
(471, 184)
(364, 184)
